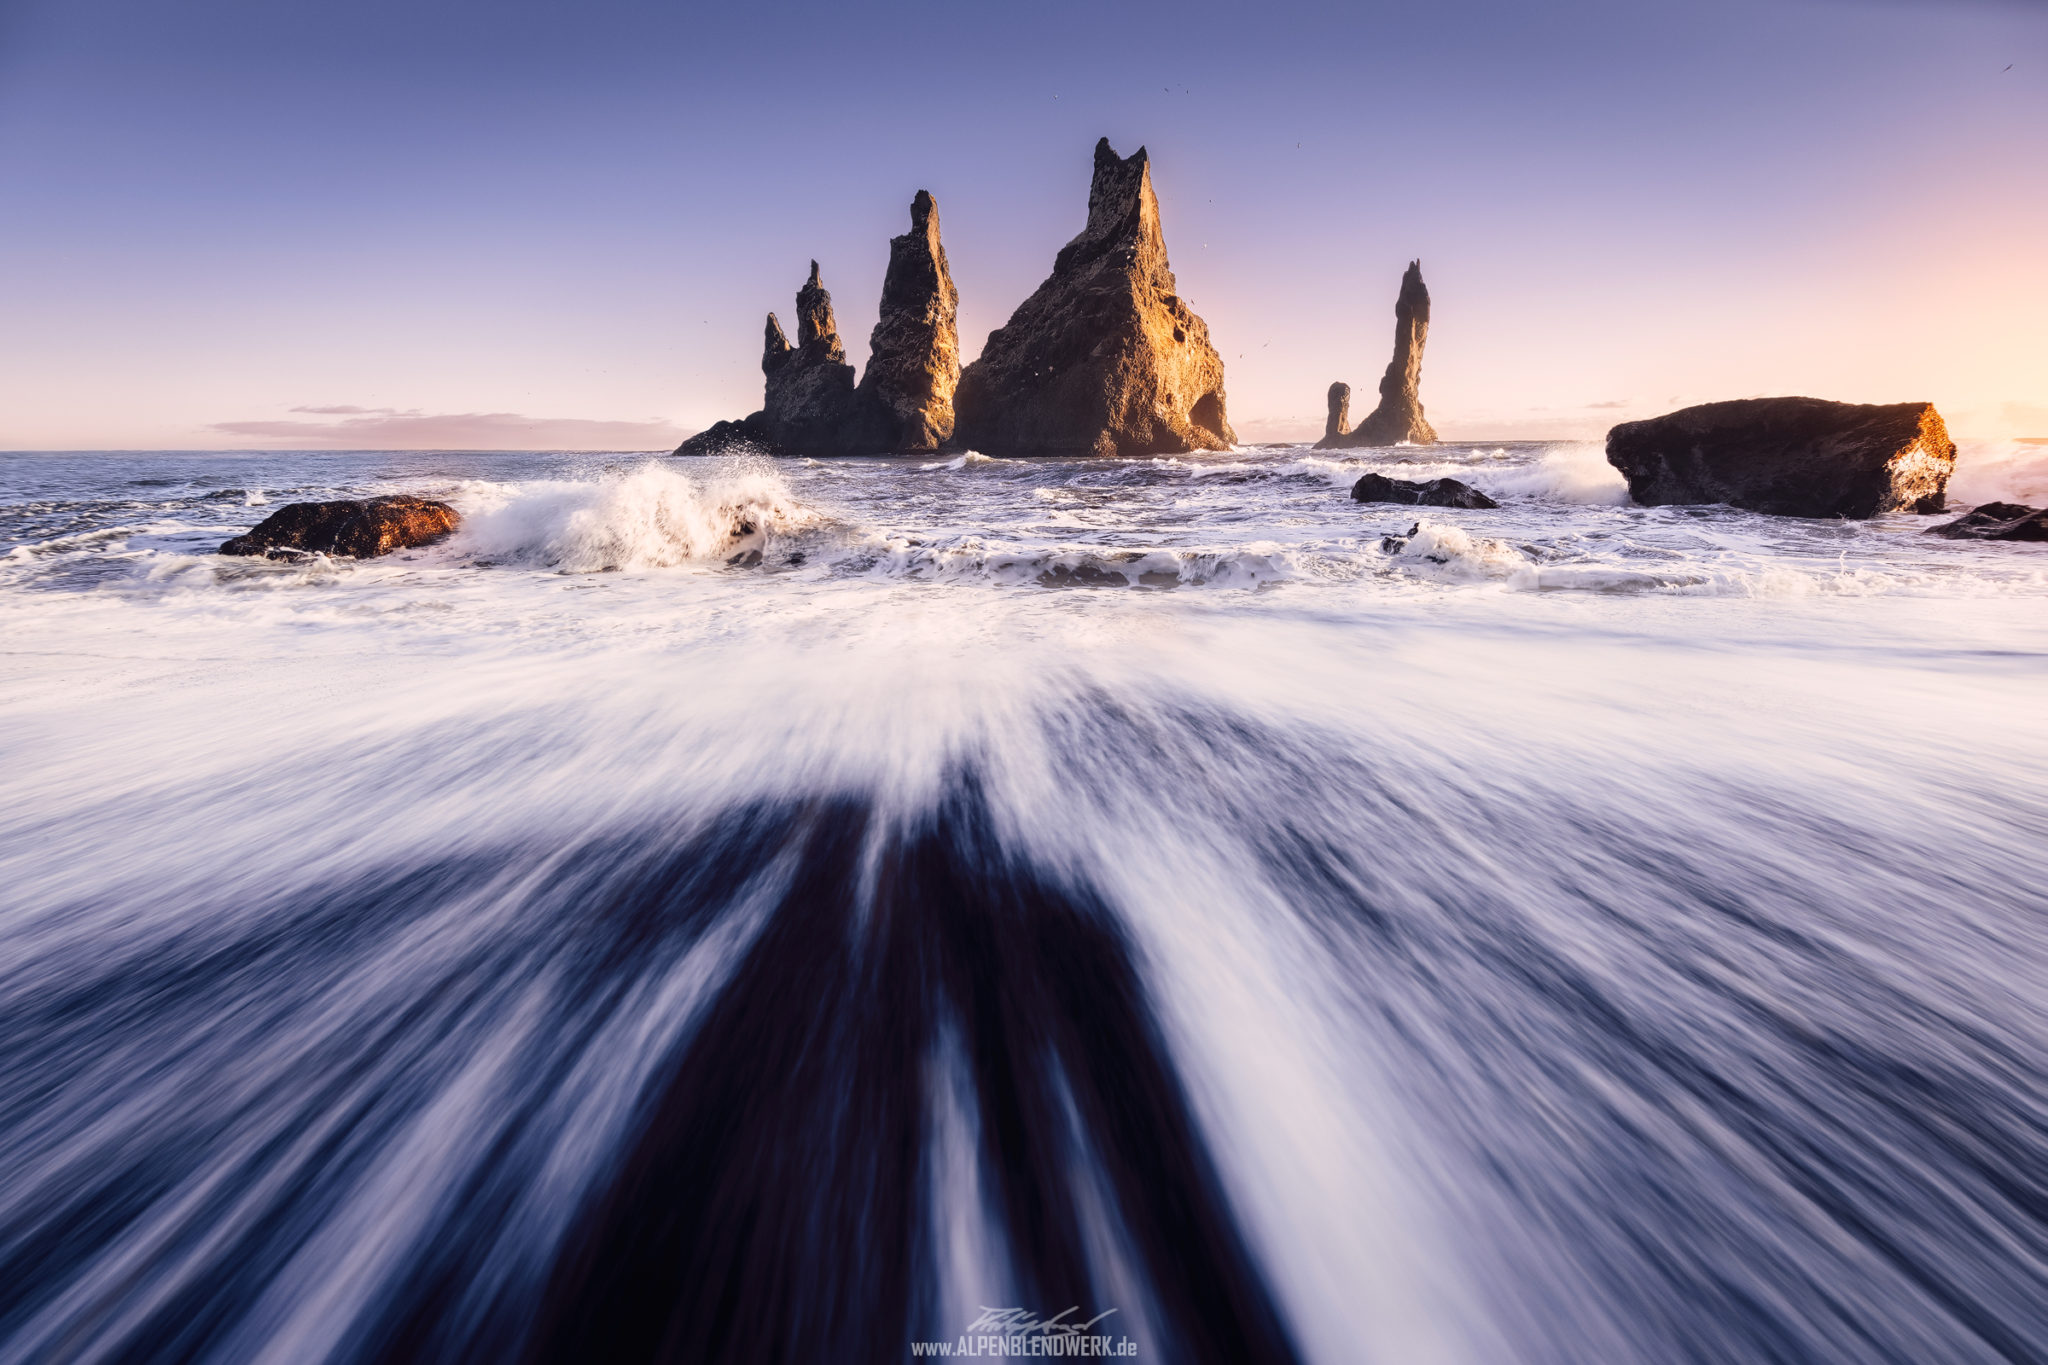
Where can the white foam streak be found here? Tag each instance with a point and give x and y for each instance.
(652, 517)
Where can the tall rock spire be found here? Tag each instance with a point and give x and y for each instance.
(1105, 358)
(1399, 414)
(1339, 421)
(775, 351)
(810, 388)
(914, 351)
(817, 334)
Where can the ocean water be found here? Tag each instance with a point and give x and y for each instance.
(777, 911)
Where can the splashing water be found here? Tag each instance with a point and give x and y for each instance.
(730, 911)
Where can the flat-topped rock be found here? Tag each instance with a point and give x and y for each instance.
(1793, 457)
(1997, 521)
(1431, 493)
(361, 528)
(1106, 358)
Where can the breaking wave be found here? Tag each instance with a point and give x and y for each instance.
(2000, 471)
(652, 517)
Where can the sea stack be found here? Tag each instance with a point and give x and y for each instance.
(1106, 358)
(1339, 420)
(1792, 457)
(905, 400)
(810, 386)
(1398, 417)
(914, 351)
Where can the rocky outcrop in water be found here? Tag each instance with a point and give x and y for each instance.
(1997, 521)
(1399, 416)
(359, 527)
(1339, 420)
(914, 352)
(1105, 358)
(1793, 457)
(1434, 493)
(904, 401)
(810, 403)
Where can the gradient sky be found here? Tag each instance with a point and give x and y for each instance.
(434, 224)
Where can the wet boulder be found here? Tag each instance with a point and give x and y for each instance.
(1106, 358)
(1997, 521)
(361, 528)
(749, 434)
(1433, 493)
(1791, 457)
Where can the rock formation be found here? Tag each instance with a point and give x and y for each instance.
(914, 351)
(359, 527)
(904, 401)
(1434, 493)
(1340, 414)
(1105, 358)
(1399, 416)
(1997, 521)
(810, 403)
(1793, 457)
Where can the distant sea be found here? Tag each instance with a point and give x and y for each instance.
(747, 910)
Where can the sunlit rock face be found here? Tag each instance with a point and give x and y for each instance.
(1105, 358)
(914, 352)
(905, 400)
(1398, 418)
(361, 528)
(1793, 457)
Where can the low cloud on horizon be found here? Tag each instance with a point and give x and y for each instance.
(358, 428)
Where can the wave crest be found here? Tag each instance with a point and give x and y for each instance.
(646, 518)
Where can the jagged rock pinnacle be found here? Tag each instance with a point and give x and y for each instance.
(1339, 422)
(914, 351)
(1399, 414)
(817, 333)
(1105, 357)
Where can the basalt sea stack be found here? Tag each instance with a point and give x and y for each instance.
(1792, 457)
(359, 527)
(914, 351)
(1106, 358)
(905, 400)
(1399, 416)
(810, 403)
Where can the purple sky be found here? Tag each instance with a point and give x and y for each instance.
(375, 224)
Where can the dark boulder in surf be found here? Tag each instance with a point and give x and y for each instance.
(358, 527)
(1398, 418)
(1997, 521)
(750, 433)
(1434, 493)
(1791, 457)
(1105, 358)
